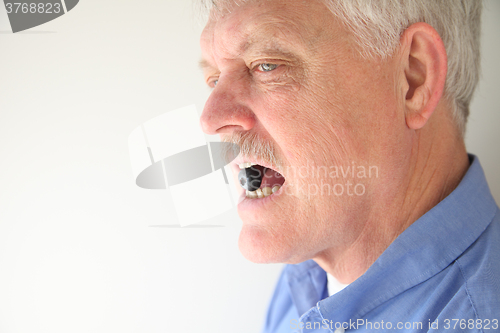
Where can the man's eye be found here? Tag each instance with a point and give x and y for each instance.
(213, 83)
(267, 67)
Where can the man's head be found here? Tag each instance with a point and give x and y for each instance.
(345, 100)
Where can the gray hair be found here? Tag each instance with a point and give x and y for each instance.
(377, 26)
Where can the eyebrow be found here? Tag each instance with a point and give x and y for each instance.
(267, 47)
(204, 64)
(272, 49)
(255, 48)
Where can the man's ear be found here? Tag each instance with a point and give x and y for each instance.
(425, 66)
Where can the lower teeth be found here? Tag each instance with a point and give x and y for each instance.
(261, 193)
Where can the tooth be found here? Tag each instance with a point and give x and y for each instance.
(267, 191)
(259, 193)
(275, 188)
(245, 165)
(252, 195)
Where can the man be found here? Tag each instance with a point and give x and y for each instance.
(350, 117)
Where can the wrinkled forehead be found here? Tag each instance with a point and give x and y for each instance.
(218, 8)
(239, 26)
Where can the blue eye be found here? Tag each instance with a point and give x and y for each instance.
(267, 67)
(215, 82)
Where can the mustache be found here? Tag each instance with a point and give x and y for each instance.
(250, 145)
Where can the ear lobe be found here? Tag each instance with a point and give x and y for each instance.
(426, 65)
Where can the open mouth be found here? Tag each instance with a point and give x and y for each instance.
(259, 181)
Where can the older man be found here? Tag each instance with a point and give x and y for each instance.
(350, 116)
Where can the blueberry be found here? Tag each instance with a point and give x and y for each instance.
(251, 178)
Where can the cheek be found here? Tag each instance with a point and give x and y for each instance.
(283, 116)
(323, 129)
(326, 117)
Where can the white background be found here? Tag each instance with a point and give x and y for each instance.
(80, 250)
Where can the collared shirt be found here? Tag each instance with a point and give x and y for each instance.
(442, 274)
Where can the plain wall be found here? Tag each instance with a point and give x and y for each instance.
(79, 246)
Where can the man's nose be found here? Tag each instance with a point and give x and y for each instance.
(226, 110)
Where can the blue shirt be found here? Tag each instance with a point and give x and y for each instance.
(442, 274)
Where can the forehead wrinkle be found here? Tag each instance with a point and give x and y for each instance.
(272, 29)
(264, 33)
(272, 39)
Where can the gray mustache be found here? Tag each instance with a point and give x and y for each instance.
(251, 145)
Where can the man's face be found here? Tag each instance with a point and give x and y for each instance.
(288, 75)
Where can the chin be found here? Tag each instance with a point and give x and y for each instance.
(260, 246)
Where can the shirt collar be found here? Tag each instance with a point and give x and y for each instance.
(307, 284)
(424, 249)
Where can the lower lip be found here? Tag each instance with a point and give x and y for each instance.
(247, 204)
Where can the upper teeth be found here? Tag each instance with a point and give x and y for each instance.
(246, 165)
